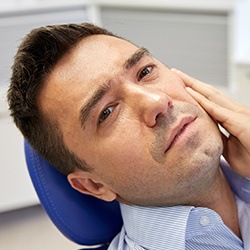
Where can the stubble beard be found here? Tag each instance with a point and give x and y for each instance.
(196, 172)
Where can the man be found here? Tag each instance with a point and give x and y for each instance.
(121, 125)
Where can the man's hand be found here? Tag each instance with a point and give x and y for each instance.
(232, 116)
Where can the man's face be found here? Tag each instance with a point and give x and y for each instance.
(130, 118)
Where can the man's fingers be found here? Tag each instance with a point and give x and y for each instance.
(210, 92)
(224, 116)
(216, 111)
(233, 122)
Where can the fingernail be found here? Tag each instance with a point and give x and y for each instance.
(174, 69)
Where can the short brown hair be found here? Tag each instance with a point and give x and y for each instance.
(38, 53)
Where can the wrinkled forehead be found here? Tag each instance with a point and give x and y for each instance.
(93, 60)
(94, 55)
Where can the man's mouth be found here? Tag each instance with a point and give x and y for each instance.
(179, 131)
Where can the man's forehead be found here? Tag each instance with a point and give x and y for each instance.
(91, 56)
(98, 45)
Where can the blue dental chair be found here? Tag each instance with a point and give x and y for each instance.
(83, 219)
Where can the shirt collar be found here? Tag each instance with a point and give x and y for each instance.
(138, 220)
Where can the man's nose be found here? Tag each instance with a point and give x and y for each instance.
(151, 103)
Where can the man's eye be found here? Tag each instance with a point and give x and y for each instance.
(105, 113)
(145, 72)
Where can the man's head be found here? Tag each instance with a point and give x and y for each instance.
(123, 114)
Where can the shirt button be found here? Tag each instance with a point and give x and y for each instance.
(204, 220)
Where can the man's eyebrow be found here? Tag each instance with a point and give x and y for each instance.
(135, 58)
(104, 89)
(92, 102)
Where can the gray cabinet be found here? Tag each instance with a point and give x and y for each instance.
(193, 41)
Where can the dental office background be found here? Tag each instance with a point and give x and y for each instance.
(208, 39)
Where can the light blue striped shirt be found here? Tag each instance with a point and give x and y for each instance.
(185, 227)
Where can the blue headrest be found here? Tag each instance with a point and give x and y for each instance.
(81, 218)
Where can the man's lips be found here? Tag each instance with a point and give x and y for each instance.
(178, 130)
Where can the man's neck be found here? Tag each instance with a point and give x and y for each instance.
(223, 202)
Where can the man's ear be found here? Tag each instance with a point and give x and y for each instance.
(88, 183)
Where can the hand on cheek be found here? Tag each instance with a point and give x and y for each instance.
(232, 116)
